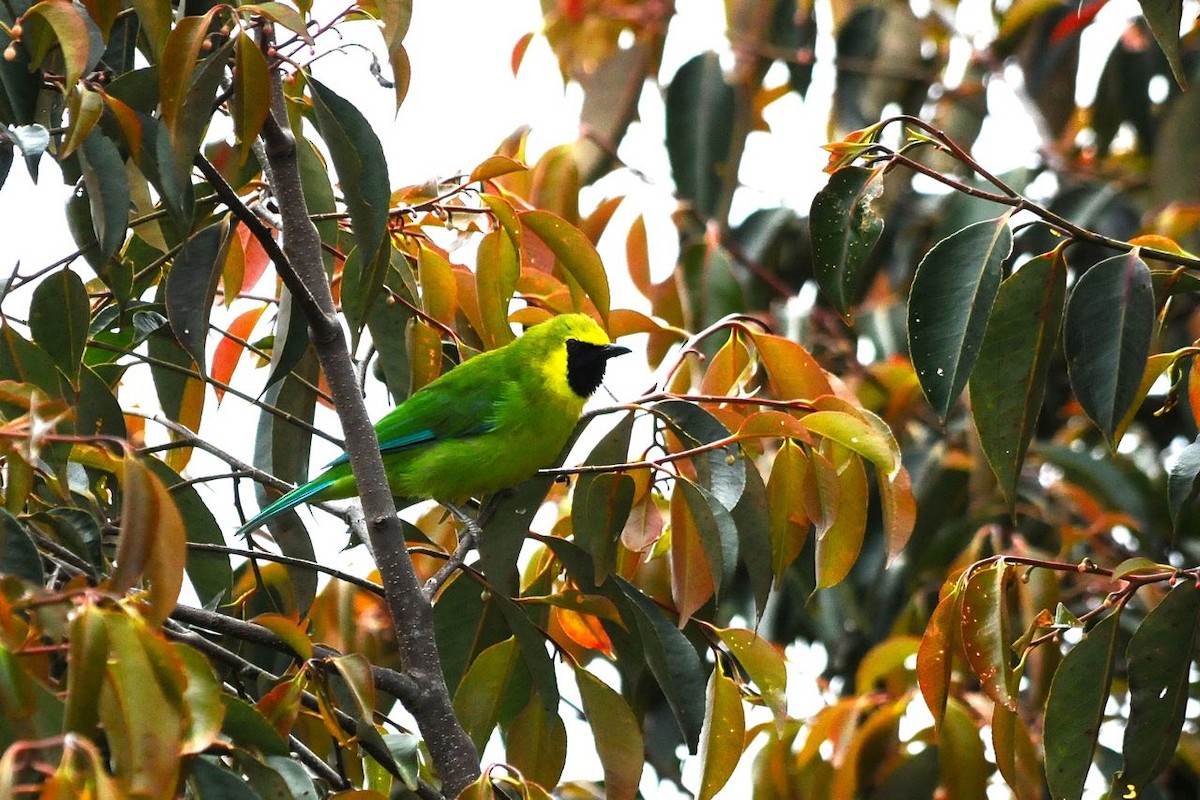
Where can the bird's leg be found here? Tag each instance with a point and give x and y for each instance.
(466, 543)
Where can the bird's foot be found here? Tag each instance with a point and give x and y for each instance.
(467, 541)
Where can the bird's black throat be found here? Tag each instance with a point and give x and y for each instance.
(586, 363)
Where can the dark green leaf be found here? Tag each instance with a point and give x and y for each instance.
(602, 505)
(361, 286)
(1159, 656)
(464, 623)
(58, 319)
(1009, 381)
(700, 109)
(97, 410)
(107, 190)
(1181, 482)
(282, 449)
(845, 228)
(23, 361)
(291, 340)
(507, 530)
(1109, 324)
(191, 287)
(713, 287)
(532, 643)
(672, 660)
(18, 554)
(490, 680)
(721, 471)
(751, 516)
(361, 166)
(1075, 708)
(718, 532)
(246, 726)
(948, 307)
(1164, 17)
(210, 779)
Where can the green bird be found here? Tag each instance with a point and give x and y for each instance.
(486, 425)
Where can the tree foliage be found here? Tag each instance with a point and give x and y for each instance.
(962, 469)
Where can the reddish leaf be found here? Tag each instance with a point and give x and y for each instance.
(286, 628)
(229, 349)
(574, 253)
(71, 30)
(691, 577)
(935, 656)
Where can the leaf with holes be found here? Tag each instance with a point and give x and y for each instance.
(845, 228)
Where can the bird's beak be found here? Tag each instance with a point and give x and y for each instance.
(613, 350)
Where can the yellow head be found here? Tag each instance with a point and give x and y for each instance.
(571, 351)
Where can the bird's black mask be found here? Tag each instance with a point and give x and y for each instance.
(586, 363)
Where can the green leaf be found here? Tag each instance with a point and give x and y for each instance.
(751, 515)
(360, 163)
(59, 315)
(700, 109)
(601, 508)
(1106, 338)
(107, 188)
(984, 632)
(854, 432)
(617, 736)
(246, 726)
(961, 758)
(506, 532)
(724, 734)
(1181, 482)
(532, 643)
(1164, 18)
(484, 689)
(1075, 708)
(948, 307)
(536, 744)
(1009, 381)
(672, 660)
(597, 530)
(282, 449)
(575, 254)
(465, 621)
(251, 93)
(845, 228)
(1159, 658)
(154, 17)
(191, 287)
(209, 573)
(721, 471)
(210, 779)
(18, 554)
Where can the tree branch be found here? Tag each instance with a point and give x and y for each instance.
(454, 755)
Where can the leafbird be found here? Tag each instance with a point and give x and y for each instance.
(486, 425)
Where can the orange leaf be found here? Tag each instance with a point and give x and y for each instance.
(229, 349)
(583, 629)
(793, 373)
(691, 577)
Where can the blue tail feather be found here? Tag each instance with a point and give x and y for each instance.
(290, 500)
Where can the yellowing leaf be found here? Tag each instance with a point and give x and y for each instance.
(152, 544)
(722, 742)
(764, 664)
(617, 735)
(935, 656)
(792, 371)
